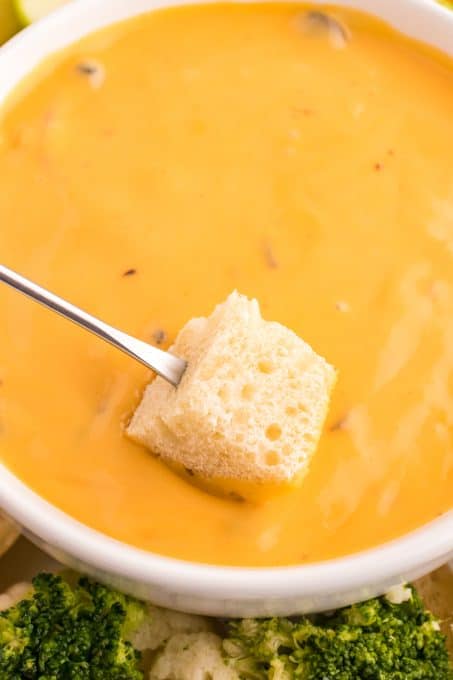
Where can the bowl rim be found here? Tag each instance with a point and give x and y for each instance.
(61, 531)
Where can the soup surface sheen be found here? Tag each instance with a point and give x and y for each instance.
(220, 147)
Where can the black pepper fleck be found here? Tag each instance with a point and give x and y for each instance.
(339, 424)
(236, 497)
(86, 68)
(159, 336)
(269, 256)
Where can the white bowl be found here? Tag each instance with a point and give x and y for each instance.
(219, 591)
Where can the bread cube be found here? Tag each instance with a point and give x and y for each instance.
(250, 406)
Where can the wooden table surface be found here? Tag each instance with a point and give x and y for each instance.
(22, 562)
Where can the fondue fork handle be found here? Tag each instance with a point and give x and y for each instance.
(163, 363)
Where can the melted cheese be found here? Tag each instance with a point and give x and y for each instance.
(224, 147)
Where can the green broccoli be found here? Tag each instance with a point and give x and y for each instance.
(374, 640)
(61, 632)
(68, 633)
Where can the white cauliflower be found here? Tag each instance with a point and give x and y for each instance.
(399, 594)
(161, 624)
(192, 656)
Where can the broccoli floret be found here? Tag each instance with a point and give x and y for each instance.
(82, 633)
(374, 640)
(60, 633)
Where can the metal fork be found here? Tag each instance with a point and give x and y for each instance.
(163, 363)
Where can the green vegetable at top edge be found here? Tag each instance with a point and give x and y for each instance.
(9, 23)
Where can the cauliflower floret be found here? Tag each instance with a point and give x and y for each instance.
(193, 656)
(160, 624)
(399, 594)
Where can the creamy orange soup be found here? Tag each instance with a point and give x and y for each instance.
(219, 147)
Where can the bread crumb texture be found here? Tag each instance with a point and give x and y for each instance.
(251, 404)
